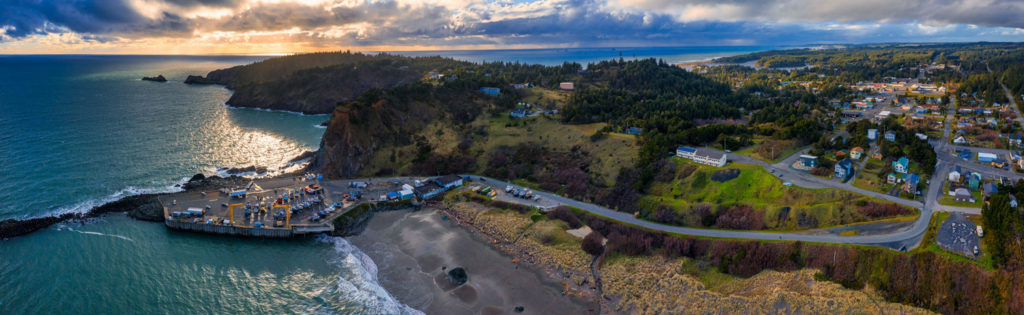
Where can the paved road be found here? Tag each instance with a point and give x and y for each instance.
(912, 233)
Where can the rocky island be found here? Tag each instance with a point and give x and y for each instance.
(158, 78)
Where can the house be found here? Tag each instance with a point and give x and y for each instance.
(960, 140)
(1015, 140)
(1013, 201)
(703, 156)
(809, 161)
(891, 178)
(910, 182)
(518, 86)
(963, 154)
(974, 180)
(449, 181)
(986, 157)
(872, 134)
(844, 169)
(954, 175)
(990, 189)
(876, 155)
(856, 153)
(428, 190)
(518, 113)
(490, 90)
(921, 136)
(434, 75)
(963, 195)
(841, 152)
(636, 131)
(890, 136)
(901, 166)
(568, 86)
(850, 114)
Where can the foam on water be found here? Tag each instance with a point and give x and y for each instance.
(360, 283)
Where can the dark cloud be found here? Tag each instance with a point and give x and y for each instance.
(28, 17)
(549, 22)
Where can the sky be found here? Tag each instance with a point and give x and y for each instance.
(293, 26)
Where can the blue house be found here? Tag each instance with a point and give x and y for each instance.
(872, 134)
(518, 113)
(910, 182)
(890, 135)
(901, 165)
(974, 181)
(490, 90)
(990, 189)
(809, 161)
(636, 131)
(844, 169)
(964, 154)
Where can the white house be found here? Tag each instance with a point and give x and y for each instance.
(568, 86)
(954, 176)
(703, 156)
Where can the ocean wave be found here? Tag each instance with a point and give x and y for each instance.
(96, 233)
(273, 110)
(84, 206)
(361, 286)
(222, 171)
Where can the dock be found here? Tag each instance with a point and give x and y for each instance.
(269, 215)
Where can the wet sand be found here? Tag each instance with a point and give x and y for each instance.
(414, 251)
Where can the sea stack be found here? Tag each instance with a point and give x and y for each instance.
(158, 78)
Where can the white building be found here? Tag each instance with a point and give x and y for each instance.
(703, 156)
(568, 86)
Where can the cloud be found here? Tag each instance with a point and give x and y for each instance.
(504, 23)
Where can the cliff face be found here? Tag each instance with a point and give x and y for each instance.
(318, 91)
(356, 132)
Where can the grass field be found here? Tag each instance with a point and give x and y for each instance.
(761, 149)
(867, 178)
(760, 190)
(609, 154)
(948, 200)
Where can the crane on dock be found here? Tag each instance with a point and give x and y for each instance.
(231, 211)
(287, 214)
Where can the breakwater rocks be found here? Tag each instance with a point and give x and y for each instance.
(144, 207)
(159, 78)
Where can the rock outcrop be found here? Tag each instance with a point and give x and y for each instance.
(159, 78)
(198, 79)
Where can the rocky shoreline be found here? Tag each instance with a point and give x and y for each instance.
(143, 207)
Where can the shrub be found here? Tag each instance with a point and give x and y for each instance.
(740, 217)
(592, 243)
(565, 214)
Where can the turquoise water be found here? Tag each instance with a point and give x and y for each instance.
(82, 130)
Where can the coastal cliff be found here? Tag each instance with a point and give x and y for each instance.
(316, 83)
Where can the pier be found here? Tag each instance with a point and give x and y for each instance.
(270, 208)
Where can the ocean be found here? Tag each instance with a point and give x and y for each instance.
(81, 130)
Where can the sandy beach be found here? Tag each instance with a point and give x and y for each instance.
(413, 251)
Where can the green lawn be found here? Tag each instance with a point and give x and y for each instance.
(949, 201)
(760, 190)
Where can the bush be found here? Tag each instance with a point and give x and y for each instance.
(565, 214)
(740, 217)
(592, 243)
(877, 210)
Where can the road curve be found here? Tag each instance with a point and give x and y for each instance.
(915, 232)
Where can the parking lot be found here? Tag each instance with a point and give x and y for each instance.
(959, 235)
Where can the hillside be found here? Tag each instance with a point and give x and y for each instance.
(316, 83)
